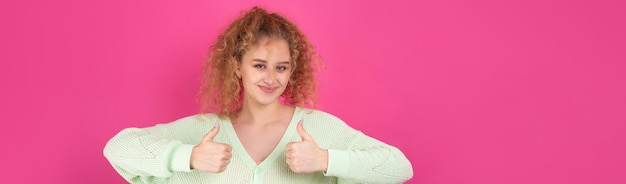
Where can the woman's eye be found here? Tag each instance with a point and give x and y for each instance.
(281, 68)
(259, 66)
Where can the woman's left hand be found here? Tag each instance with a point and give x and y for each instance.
(305, 156)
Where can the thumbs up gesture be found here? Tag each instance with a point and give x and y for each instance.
(305, 156)
(209, 156)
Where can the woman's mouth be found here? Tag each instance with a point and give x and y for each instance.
(267, 89)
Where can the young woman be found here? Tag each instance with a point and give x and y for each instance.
(259, 75)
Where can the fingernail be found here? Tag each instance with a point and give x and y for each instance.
(302, 122)
(216, 124)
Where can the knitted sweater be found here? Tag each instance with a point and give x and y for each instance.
(161, 154)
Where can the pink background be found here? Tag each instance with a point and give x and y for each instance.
(485, 92)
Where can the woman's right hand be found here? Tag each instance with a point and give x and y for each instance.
(210, 156)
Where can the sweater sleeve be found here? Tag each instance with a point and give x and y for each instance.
(146, 155)
(356, 157)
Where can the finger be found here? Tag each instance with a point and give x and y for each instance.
(222, 169)
(223, 147)
(303, 134)
(209, 136)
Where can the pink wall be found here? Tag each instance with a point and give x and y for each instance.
(473, 92)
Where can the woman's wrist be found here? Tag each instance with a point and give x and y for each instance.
(324, 162)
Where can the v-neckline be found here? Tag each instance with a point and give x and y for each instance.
(280, 147)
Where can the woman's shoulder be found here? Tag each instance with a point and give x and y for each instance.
(194, 120)
(316, 113)
(192, 125)
(321, 118)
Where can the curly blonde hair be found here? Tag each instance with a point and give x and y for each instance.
(221, 90)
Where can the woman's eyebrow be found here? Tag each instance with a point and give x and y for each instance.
(263, 61)
(259, 60)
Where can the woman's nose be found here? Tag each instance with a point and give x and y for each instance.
(269, 78)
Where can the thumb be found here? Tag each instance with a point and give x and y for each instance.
(303, 134)
(209, 136)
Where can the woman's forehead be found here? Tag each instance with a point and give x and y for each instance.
(271, 50)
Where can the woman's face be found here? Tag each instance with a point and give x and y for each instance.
(265, 70)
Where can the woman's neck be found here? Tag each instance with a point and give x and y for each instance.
(261, 114)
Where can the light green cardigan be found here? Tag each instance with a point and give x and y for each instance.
(161, 154)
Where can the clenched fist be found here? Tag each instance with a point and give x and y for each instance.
(209, 156)
(305, 156)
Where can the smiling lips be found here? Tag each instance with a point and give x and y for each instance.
(268, 89)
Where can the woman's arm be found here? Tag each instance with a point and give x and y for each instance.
(367, 160)
(146, 155)
(354, 156)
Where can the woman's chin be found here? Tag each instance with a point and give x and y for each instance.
(267, 101)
